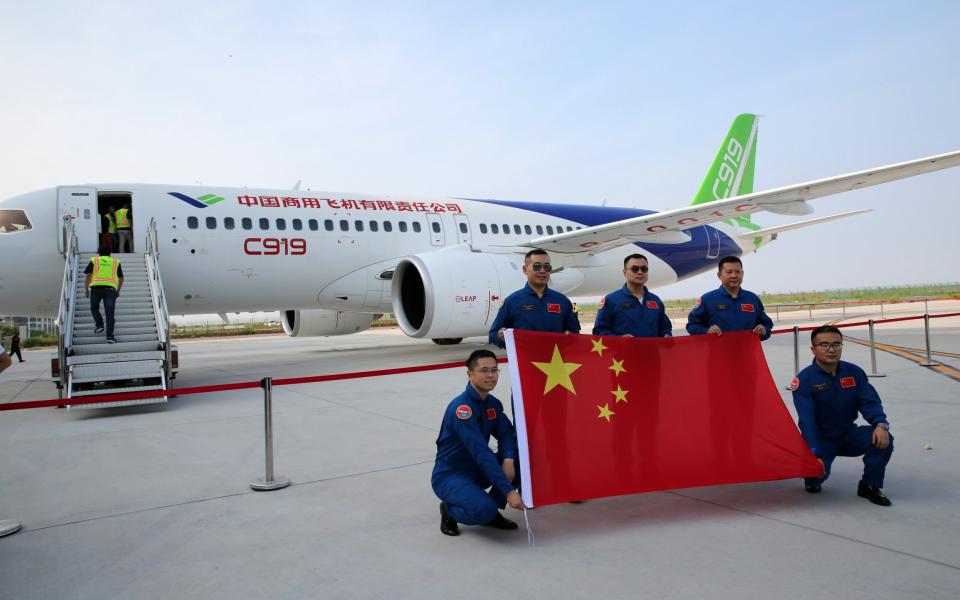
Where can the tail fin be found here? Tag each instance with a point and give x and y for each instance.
(731, 173)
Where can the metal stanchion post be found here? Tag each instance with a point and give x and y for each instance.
(926, 334)
(778, 312)
(881, 310)
(844, 305)
(873, 354)
(264, 484)
(810, 311)
(796, 351)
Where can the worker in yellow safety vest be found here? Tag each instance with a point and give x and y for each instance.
(109, 228)
(105, 278)
(124, 223)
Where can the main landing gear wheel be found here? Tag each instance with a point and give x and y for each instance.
(447, 341)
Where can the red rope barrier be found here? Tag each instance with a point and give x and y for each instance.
(204, 389)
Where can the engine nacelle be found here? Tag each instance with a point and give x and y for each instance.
(452, 294)
(320, 321)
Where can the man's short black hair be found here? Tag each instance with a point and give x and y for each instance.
(476, 355)
(103, 250)
(633, 257)
(823, 329)
(534, 252)
(728, 259)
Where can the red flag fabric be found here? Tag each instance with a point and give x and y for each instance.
(604, 416)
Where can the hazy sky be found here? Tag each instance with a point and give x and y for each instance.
(551, 101)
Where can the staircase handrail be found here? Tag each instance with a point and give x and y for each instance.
(68, 293)
(161, 311)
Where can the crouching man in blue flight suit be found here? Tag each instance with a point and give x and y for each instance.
(633, 310)
(465, 464)
(729, 307)
(828, 394)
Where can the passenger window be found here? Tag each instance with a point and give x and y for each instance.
(328, 224)
(246, 223)
(281, 224)
(211, 222)
(494, 228)
(403, 226)
(549, 229)
(297, 224)
(506, 229)
(527, 229)
(313, 224)
(374, 226)
(463, 227)
(416, 227)
(483, 227)
(358, 225)
(539, 229)
(264, 224)
(193, 222)
(387, 226)
(228, 223)
(436, 227)
(344, 225)
(516, 229)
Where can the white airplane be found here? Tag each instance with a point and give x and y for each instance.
(330, 261)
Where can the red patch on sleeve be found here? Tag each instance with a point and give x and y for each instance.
(464, 412)
(747, 308)
(554, 308)
(699, 300)
(651, 304)
(848, 382)
(603, 301)
(795, 384)
(491, 413)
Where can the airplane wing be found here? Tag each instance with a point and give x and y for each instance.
(668, 226)
(749, 235)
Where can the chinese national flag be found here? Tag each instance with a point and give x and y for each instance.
(604, 416)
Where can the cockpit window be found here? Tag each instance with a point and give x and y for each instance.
(14, 221)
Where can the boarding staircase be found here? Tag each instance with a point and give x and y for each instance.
(142, 359)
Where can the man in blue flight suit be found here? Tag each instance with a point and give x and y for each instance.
(729, 307)
(535, 307)
(633, 310)
(828, 395)
(465, 464)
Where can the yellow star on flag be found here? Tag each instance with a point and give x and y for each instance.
(605, 412)
(617, 367)
(558, 372)
(620, 394)
(598, 347)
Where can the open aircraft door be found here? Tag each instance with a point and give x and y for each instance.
(80, 204)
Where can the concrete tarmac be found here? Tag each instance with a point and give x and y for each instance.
(153, 501)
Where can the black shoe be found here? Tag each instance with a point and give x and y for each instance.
(111, 340)
(501, 522)
(812, 488)
(448, 525)
(873, 494)
(98, 330)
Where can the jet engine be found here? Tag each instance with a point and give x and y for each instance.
(452, 294)
(320, 321)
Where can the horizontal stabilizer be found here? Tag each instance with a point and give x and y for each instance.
(749, 235)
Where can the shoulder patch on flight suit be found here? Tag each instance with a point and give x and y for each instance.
(602, 301)
(848, 382)
(721, 307)
(747, 308)
(651, 304)
(491, 414)
(795, 384)
(554, 308)
(464, 412)
(528, 307)
(819, 387)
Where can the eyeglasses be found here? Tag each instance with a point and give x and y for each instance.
(639, 268)
(545, 266)
(829, 346)
(493, 371)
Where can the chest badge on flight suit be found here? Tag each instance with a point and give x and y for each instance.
(464, 412)
(528, 307)
(651, 304)
(627, 304)
(554, 308)
(848, 382)
(746, 307)
(491, 414)
(819, 387)
(721, 307)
